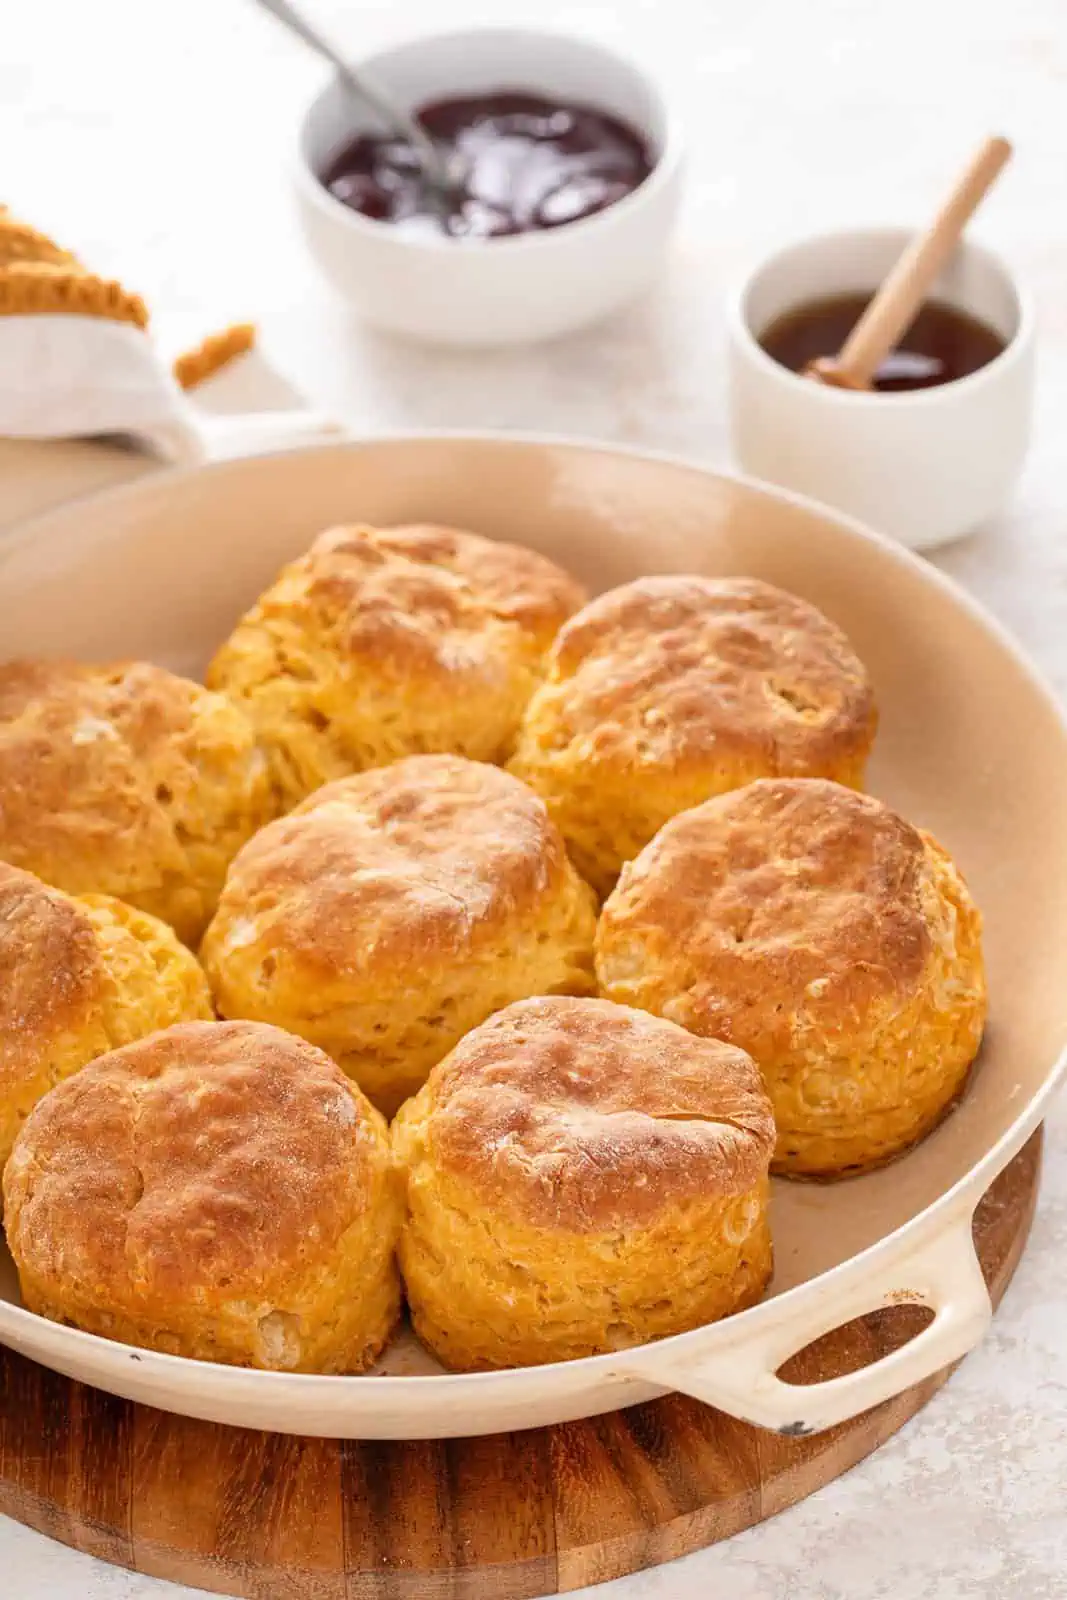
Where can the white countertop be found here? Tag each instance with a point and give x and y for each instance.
(151, 139)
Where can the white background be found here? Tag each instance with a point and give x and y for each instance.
(152, 137)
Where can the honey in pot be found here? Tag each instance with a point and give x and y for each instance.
(942, 344)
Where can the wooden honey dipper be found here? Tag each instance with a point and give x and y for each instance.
(896, 303)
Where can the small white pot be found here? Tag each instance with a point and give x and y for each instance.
(485, 292)
(923, 466)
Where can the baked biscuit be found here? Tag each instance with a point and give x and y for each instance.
(218, 1190)
(127, 780)
(581, 1178)
(668, 690)
(386, 642)
(395, 910)
(822, 933)
(78, 978)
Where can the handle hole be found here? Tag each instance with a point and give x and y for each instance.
(856, 1344)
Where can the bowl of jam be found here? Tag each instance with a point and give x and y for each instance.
(525, 163)
(933, 450)
(569, 171)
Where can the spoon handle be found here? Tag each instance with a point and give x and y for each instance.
(381, 103)
(894, 306)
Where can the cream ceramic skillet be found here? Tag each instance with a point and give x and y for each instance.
(971, 745)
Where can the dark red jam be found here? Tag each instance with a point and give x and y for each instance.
(527, 163)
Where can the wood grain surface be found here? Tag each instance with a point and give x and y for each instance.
(499, 1518)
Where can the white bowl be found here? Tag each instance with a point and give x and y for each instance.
(923, 466)
(485, 292)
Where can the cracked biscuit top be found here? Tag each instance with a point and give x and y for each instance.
(383, 642)
(787, 906)
(402, 871)
(211, 1165)
(79, 977)
(125, 779)
(583, 1115)
(674, 672)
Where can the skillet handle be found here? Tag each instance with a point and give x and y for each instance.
(741, 1379)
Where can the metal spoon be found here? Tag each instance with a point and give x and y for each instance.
(445, 176)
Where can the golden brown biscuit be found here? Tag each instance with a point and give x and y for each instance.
(386, 642)
(666, 691)
(218, 1190)
(822, 933)
(393, 911)
(78, 978)
(581, 1178)
(127, 780)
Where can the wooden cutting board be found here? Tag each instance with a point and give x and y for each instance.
(497, 1518)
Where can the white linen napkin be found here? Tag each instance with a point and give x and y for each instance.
(76, 377)
(78, 361)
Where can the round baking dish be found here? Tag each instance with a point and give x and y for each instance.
(972, 746)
